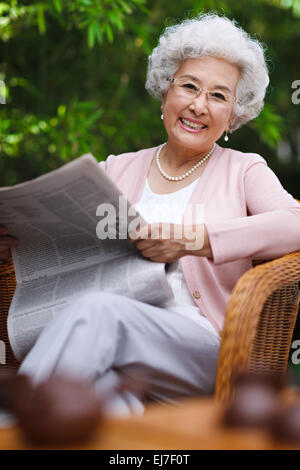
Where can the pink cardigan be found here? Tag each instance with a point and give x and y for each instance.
(248, 215)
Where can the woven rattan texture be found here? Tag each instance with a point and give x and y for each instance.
(259, 322)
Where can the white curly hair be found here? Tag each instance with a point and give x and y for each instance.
(212, 35)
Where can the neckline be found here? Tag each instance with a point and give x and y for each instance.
(193, 183)
(137, 190)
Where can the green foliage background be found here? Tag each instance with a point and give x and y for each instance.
(74, 74)
(75, 70)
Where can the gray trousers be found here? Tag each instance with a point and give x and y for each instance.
(102, 335)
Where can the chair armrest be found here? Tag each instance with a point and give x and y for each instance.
(259, 321)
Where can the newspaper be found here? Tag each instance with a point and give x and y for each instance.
(60, 255)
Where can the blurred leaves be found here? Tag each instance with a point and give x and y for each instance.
(97, 17)
(269, 125)
(294, 5)
(71, 132)
(74, 74)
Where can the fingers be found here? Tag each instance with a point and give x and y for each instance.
(159, 250)
(7, 241)
(147, 231)
(155, 242)
(139, 233)
(133, 235)
(144, 244)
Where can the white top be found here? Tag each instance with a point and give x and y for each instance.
(170, 208)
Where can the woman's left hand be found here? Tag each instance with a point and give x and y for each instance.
(164, 242)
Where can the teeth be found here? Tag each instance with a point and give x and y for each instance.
(191, 124)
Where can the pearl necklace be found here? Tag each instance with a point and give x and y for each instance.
(188, 173)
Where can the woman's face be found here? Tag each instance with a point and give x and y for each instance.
(194, 124)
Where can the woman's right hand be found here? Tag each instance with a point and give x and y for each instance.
(6, 243)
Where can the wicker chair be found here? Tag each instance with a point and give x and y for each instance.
(259, 322)
(258, 328)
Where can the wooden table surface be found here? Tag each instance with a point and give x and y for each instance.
(191, 424)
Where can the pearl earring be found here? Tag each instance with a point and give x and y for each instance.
(226, 138)
(161, 116)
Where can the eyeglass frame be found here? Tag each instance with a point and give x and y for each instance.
(200, 90)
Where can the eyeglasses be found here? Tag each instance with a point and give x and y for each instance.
(188, 89)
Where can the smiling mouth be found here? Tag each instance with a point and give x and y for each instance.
(192, 125)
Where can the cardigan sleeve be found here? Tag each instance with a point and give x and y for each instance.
(272, 227)
(104, 165)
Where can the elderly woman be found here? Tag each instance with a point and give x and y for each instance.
(211, 78)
